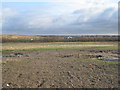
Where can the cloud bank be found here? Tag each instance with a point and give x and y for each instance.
(73, 17)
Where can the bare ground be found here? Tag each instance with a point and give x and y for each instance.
(60, 69)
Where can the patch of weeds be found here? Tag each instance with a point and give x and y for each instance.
(109, 62)
(3, 63)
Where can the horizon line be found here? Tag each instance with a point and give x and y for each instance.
(59, 34)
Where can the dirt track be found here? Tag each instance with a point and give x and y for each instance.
(60, 69)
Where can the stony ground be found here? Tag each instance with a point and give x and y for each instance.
(60, 69)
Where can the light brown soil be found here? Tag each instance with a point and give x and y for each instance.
(60, 69)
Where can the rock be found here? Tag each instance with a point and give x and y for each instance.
(12, 55)
(41, 83)
(27, 56)
(99, 56)
(8, 84)
(16, 54)
(19, 55)
(70, 75)
(71, 66)
(100, 51)
(19, 75)
(90, 65)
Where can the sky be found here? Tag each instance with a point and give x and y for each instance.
(59, 17)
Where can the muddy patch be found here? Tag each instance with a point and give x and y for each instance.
(60, 69)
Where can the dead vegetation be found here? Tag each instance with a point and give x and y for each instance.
(30, 38)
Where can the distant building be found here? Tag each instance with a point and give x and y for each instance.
(31, 39)
(69, 37)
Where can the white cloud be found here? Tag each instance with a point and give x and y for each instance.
(8, 13)
(62, 14)
(88, 9)
(39, 22)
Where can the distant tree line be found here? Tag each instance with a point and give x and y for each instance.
(63, 39)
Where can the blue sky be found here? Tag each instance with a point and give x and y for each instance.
(59, 17)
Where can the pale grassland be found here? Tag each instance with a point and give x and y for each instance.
(59, 45)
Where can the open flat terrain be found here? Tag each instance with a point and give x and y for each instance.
(60, 65)
(59, 45)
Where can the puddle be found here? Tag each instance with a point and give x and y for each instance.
(1, 57)
(112, 60)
